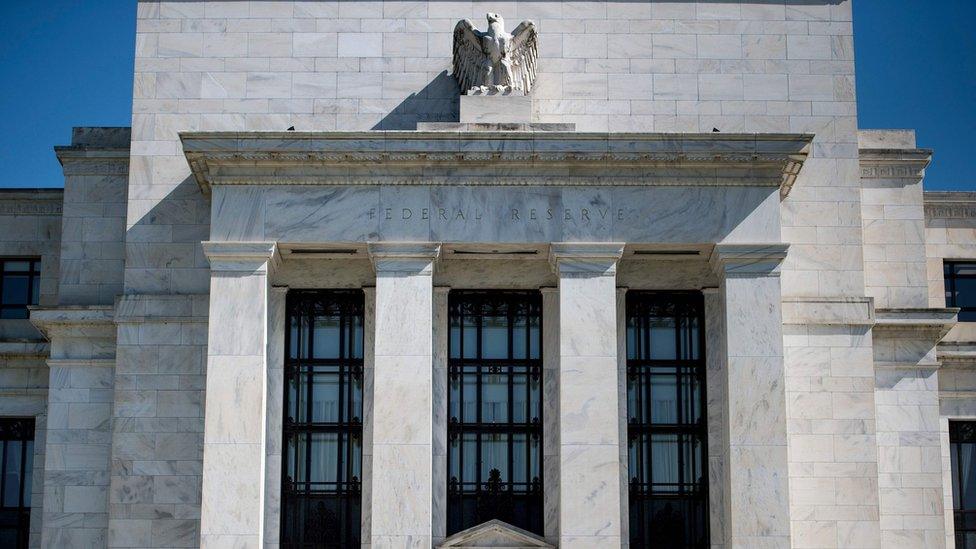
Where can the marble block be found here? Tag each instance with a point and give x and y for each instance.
(496, 109)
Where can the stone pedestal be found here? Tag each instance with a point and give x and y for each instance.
(589, 434)
(496, 109)
(234, 440)
(757, 467)
(401, 491)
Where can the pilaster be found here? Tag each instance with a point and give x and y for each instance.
(589, 434)
(235, 437)
(757, 468)
(550, 412)
(402, 442)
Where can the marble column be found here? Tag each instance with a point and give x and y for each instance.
(589, 435)
(402, 461)
(756, 461)
(234, 439)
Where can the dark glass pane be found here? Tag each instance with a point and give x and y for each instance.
(357, 337)
(11, 473)
(28, 473)
(965, 269)
(325, 337)
(16, 266)
(35, 290)
(535, 338)
(15, 290)
(494, 399)
(469, 343)
(494, 337)
(325, 398)
(520, 334)
(967, 475)
(324, 450)
(494, 457)
(662, 339)
(664, 399)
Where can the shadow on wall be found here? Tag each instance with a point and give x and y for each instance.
(437, 102)
(162, 249)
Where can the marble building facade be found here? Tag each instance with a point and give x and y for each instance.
(297, 171)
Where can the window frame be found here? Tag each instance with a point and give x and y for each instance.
(491, 498)
(949, 278)
(961, 432)
(33, 274)
(19, 429)
(694, 495)
(349, 304)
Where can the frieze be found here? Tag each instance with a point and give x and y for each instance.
(46, 207)
(890, 171)
(509, 215)
(950, 211)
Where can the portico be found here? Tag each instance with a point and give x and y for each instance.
(410, 215)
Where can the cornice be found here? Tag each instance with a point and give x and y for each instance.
(494, 158)
(94, 321)
(748, 259)
(598, 258)
(949, 205)
(929, 324)
(894, 163)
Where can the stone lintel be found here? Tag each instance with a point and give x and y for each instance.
(748, 260)
(242, 256)
(403, 257)
(595, 258)
(957, 354)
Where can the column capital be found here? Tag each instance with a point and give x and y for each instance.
(594, 258)
(415, 257)
(748, 260)
(242, 256)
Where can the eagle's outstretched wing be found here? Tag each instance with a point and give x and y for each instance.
(524, 53)
(468, 56)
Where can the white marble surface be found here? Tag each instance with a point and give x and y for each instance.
(235, 439)
(757, 445)
(589, 433)
(402, 444)
(496, 214)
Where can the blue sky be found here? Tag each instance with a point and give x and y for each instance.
(69, 63)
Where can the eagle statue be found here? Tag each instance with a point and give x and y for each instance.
(495, 62)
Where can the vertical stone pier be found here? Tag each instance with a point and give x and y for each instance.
(757, 467)
(589, 437)
(234, 440)
(402, 446)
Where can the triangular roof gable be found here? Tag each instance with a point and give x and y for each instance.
(494, 533)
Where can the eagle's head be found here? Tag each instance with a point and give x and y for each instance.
(494, 18)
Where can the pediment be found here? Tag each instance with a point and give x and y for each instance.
(494, 534)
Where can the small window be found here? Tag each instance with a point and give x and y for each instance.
(962, 443)
(16, 468)
(960, 288)
(20, 285)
